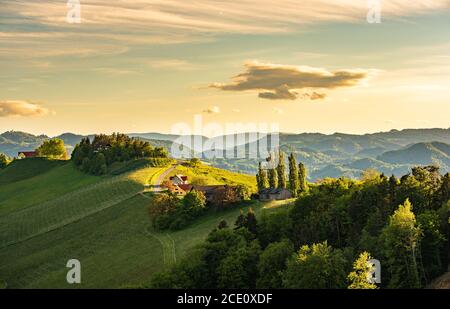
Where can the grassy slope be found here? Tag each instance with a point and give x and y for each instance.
(106, 228)
(26, 168)
(213, 176)
(67, 208)
(51, 179)
(116, 248)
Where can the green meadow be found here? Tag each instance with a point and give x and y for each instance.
(103, 222)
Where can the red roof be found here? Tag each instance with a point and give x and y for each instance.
(185, 187)
(28, 154)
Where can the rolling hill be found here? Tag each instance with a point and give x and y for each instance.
(421, 153)
(61, 213)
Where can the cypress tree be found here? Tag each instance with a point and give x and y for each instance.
(251, 221)
(273, 178)
(261, 178)
(281, 171)
(293, 175)
(241, 221)
(302, 173)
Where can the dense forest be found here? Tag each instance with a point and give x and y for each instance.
(327, 237)
(104, 150)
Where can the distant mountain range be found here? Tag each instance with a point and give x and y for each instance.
(335, 155)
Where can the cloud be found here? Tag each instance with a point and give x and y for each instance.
(206, 16)
(21, 108)
(171, 64)
(280, 82)
(316, 95)
(212, 110)
(110, 26)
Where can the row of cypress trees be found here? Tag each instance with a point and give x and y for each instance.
(276, 177)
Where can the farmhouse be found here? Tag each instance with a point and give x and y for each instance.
(178, 190)
(211, 192)
(272, 194)
(26, 154)
(179, 180)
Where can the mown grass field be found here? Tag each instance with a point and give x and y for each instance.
(32, 181)
(104, 224)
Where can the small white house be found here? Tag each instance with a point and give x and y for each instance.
(179, 180)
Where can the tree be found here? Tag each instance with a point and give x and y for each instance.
(224, 196)
(272, 263)
(4, 160)
(194, 162)
(239, 268)
(162, 204)
(444, 190)
(194, 202)
(316, 267)
(294, 182)
(362, 270)
(53, 148)
(251, 223)
(222, 225)
(302, 174)
(369, 175)
(401, 238)
(273, 178)
(241, 221)
(431, 244)
(81, 151)
(243, 192)
(261, 178)
(97, 165)
(393, 183)
(281, 171)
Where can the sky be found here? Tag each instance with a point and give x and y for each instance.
(149, 65)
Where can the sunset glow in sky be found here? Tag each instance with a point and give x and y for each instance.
(144, 65)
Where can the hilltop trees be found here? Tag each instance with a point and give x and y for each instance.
(94, 157)
(276, 177)
(53, 149)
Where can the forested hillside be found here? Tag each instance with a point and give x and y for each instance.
(328, 237)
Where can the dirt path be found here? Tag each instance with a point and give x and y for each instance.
(156, 187)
